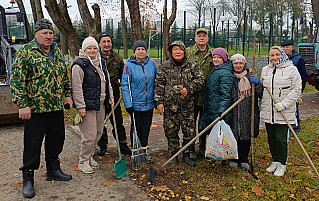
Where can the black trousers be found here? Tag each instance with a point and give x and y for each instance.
(143, 121)
(51, 126)
(243, 147)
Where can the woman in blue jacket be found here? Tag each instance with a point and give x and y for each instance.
(142, 72)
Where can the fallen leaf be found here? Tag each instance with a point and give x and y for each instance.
(185, 182)
(172, 194)
(74, 169)
(186, 198)
(161, 188)
(317, 143)
(106, 183)
(154, 126)
(20, 183)
(43, 174)
(182, 172)
(204, 198)
(257, 190)
(143, 176)
(4, 173)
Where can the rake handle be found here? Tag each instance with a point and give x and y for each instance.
(294, 134)
(117, 104)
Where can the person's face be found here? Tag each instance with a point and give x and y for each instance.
(91, 51)
(288, 49)
(201, 38)
(177, 53)
(275, 55)
(105, 44)
(238, 67)
(217, 60)
(140, 54)
(44, 38)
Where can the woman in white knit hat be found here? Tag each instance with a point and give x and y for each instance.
(92, 92)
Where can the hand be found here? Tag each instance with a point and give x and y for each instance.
(68, 100)
(111, 102)
(254, 79)
(183, 92)
(130, 110)
(160, 109)
(279, 107)
(82, 114)
(25, 113)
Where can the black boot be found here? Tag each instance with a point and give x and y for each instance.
(102, 150)
(58, 175)
(28, 182)
(125, 149)
(148, 160)
(174, 160)
(202, 145)
(187, 160)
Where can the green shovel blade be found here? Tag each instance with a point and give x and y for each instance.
(120, 168)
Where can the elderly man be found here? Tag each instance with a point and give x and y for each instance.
(299, 62)
(201, 53)
(115, 65)
(40, 87)
(175, 86)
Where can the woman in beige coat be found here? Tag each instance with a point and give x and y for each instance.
(284, 82)
(92, 92)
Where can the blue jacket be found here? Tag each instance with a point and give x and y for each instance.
(142, 76)
(299, 62)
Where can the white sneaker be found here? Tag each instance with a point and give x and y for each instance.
(85, 167)
(93, 163)
(244, 166)
(233, 164)
(272, 167)
(280, 171)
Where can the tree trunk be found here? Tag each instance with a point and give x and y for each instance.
(62, 20)
(315, 9)
(134, 8)
(38, 8)
(63, 39)
(97, 18)
(34, 11)
(22, 9)
(124, 32)
(167, 23)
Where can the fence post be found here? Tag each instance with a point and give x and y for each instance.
(293, 28)
(184, 31)
(244, 33)
(270, 32)
(161, 38)
(214, 29)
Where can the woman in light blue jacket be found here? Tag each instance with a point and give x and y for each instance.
(142, 72)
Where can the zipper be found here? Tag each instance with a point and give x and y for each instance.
(146, 83)
(272, 92)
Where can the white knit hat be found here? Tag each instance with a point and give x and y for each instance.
(238, 58)
(89, 41)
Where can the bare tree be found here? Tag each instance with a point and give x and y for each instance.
(198, 9)
(34, 11)
(124, 35)
(134, 8)
(167, 23)
(62, 20)
(315, 9)
(22, 9)
(38, 8)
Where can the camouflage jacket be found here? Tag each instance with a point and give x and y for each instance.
(204, 60)
(171, 78)
(37, 82)
(115, 65)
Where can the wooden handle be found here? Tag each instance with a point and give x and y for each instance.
(109, 115)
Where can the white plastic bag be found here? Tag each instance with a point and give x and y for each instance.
(221, 143)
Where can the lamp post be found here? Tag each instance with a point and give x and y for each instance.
(223, 19)
(234, 19)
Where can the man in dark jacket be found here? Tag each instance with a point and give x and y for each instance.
(299, 62)
(115, 65)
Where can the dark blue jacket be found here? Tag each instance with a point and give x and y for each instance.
(142, 77)
(299, 62)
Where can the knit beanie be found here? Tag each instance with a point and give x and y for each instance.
(104, 34)
(138, 44)
(89, 41)
(43, 24)
(221, 52)
(238, 58)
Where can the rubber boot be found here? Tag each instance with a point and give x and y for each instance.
(28, 183)
(202, 145)
(125, 149)
(102, 150)
(54, 172)
(187, 160)
(174, 160)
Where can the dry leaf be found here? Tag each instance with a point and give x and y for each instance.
(143, 176)
(4, 173)
(257, 190)
(106, 183)
(317, 143)
(43, 174)
(20, 183)
(75, 169)
(182, 172)
(186, 198)
(154, 126)
(172, 194)
(204, 198)
(161, 188)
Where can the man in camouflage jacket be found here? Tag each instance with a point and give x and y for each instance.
(201, 53)
(115, 65)
(40, 87)
(175, 85)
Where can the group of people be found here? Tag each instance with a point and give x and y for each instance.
(191, 89)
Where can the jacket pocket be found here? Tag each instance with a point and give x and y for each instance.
(282, 90)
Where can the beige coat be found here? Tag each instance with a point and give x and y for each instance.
(285, 85)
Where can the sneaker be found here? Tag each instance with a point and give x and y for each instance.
(93, 163)
(233, 164)
(280, 171)
(85, 167)
(244, 166)
(272, 167)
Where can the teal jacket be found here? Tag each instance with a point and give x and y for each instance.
(217, 98)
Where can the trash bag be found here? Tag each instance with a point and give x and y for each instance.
(221, 143)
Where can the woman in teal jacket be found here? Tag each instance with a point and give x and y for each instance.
(217, 93)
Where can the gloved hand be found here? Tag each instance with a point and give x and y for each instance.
(254, 79)
(130, 110)
(280, 107)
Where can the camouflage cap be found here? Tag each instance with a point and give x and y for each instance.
(201, 30)
(43, 24)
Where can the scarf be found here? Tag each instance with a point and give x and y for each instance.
(243, 85)
(283, 58)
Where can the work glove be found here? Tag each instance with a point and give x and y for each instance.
(279, 107)
(130, 110)
(254, 79)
